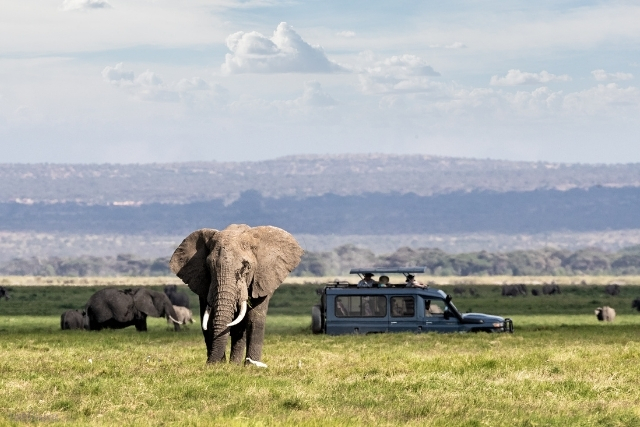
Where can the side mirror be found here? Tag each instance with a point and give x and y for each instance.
(448, 298)
(447, 315)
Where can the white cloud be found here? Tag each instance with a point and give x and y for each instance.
(517, 77)
(601, 76)
(149, 86)
(315, 96)
(85, 4)
(285, 52)
(404, 73)
(346, 34)
(456, 45)
(603, 99)
(117, 74)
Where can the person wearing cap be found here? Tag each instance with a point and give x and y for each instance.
(367, 282)
(413, 283)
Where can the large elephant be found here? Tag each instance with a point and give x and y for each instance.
(118, 308)
(235, 272)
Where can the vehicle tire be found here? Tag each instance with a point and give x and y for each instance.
(316, 319)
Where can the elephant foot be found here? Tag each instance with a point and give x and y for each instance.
(255, 363)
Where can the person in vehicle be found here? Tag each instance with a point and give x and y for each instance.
(367, 282)
(383, 282)
(413, 283)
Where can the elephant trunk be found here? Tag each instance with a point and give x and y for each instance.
(224, 300)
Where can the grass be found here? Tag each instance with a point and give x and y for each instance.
(560, 367)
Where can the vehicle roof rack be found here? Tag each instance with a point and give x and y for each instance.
(402, 270)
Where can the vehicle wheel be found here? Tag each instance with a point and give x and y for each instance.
(316, 319)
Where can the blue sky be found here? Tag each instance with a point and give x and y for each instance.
(159, 81)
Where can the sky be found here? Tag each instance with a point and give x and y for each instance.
(141, 81)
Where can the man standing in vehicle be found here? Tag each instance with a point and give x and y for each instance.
(367, 282)
(413, 283)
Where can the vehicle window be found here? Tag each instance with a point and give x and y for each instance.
(434, 307)
(403, 307)
(361, 306)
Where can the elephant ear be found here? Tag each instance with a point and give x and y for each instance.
(189, 260)
(143, 302)
(277, 253)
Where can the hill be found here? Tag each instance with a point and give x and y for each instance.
(296, 176)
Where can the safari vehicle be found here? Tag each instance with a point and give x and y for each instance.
(346, 309)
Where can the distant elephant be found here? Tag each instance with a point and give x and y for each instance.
(459, 290)
(73, 319)
(612, 289)
(636, 304)
(183, 315)
(514, 290)
(118, 308)
(535, 292)
(4, 293)
(551, 289)
(177, 298)
(235, 272)
(605, 313)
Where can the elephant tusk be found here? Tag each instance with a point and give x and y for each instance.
(174, 320)
(243, 311)
(205, 318)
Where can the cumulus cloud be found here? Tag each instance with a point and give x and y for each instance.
(601, 76)
(285, 52)
(603, 98)
(117, 74)
(85, 4)
(517, 77)
(149, 86)
(315, 96)
(404, 73)
(346, 34)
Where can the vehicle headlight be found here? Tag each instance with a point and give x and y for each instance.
(498, 325)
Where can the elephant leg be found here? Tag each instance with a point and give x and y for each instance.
(238, 342)
(256, 322)
(176, 327)
(141, 324)
(208, 334)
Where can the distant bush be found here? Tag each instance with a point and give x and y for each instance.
(546, 261)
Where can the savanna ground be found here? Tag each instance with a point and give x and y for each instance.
(560, 367)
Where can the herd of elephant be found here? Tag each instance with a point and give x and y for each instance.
(603, 314)
(234, 272)
(113, 308)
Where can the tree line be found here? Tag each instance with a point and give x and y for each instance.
(547, 261)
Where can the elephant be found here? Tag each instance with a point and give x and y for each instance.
(459, 290)
(118, 308)
(605, 313)
(183, 315)
(73, 319)
(4, 293)
(235, 272)
(636, 303)
(612, 289)
(514, 290)
(177, 298)
(535, 292)
(551, 289)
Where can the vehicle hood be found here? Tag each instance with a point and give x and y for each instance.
(477, 317)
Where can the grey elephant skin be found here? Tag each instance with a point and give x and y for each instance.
(177, 298)
(235, 272)
(73, 319)
(183, 315)
(119, 308)
(4, 293)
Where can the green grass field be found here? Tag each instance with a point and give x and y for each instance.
(560, 367)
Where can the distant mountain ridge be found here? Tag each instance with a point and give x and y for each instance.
(298, 177)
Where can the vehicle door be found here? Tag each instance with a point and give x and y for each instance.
(436, 318)
(402, 316)
(359, 314)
